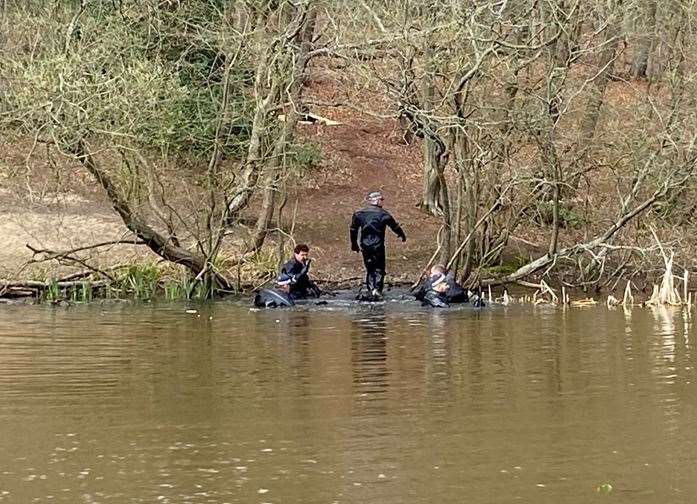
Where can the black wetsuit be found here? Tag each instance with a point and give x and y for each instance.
(455, 293)
(272, 298)
(301, 286)
(371, 222)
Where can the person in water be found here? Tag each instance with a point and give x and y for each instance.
(297, 269)
(441, 289)
(370, 222)
(276, 298)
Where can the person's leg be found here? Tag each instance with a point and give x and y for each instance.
(434, 300)
(379, 269)
(314, 290)
(368, 261)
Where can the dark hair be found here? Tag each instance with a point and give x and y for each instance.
(301, 247)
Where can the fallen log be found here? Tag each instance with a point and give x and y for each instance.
(599, 241)
(29, 288)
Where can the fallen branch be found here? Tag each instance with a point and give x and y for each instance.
(548, 259)
(86, 273)
(159, 244)
(86, 247)
(430, 261)
(37, 286)
(67, 255)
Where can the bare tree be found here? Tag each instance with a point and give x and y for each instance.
(498, 81)
(112, 99)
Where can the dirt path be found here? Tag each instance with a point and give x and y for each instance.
(360, 157)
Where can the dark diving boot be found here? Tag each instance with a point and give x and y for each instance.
(376, 295)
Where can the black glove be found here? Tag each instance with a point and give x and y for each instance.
(404, 238)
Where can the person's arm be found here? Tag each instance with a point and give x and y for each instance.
(304, 271)
(353, 230)
(311, 286)
(289, 269)
(396, 228)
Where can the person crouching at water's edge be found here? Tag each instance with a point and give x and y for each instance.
(371, 222)
(441, 289)
(297, 269)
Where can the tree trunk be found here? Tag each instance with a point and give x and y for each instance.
(297, 80)
(250, 169)
(446, 235)
(431, 196)
(431, 199)
(566, 43)
(466, 202)
(645, 43)
(267, 90)
(300, 32)
(265, 214)
(599, 84)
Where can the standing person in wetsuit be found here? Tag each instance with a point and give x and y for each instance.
(297, 269)
(371, 222)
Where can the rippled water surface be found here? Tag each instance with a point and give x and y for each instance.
(375, 404)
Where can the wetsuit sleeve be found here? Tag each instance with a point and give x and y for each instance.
(353, 230)
(305, 270)
(396, 228)
(304, 278)
(289, 269)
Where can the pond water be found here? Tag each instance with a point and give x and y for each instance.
(385, 403)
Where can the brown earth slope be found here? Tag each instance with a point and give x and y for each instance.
(359, 157)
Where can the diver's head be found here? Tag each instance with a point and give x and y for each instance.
(438, 279)
(375, 198)
(437, 269)
(301, 252)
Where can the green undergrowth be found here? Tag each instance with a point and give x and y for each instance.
(158, 280)
(505, 268)
(140, 282)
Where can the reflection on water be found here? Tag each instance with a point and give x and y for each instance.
(376, 404)
(369, 354)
